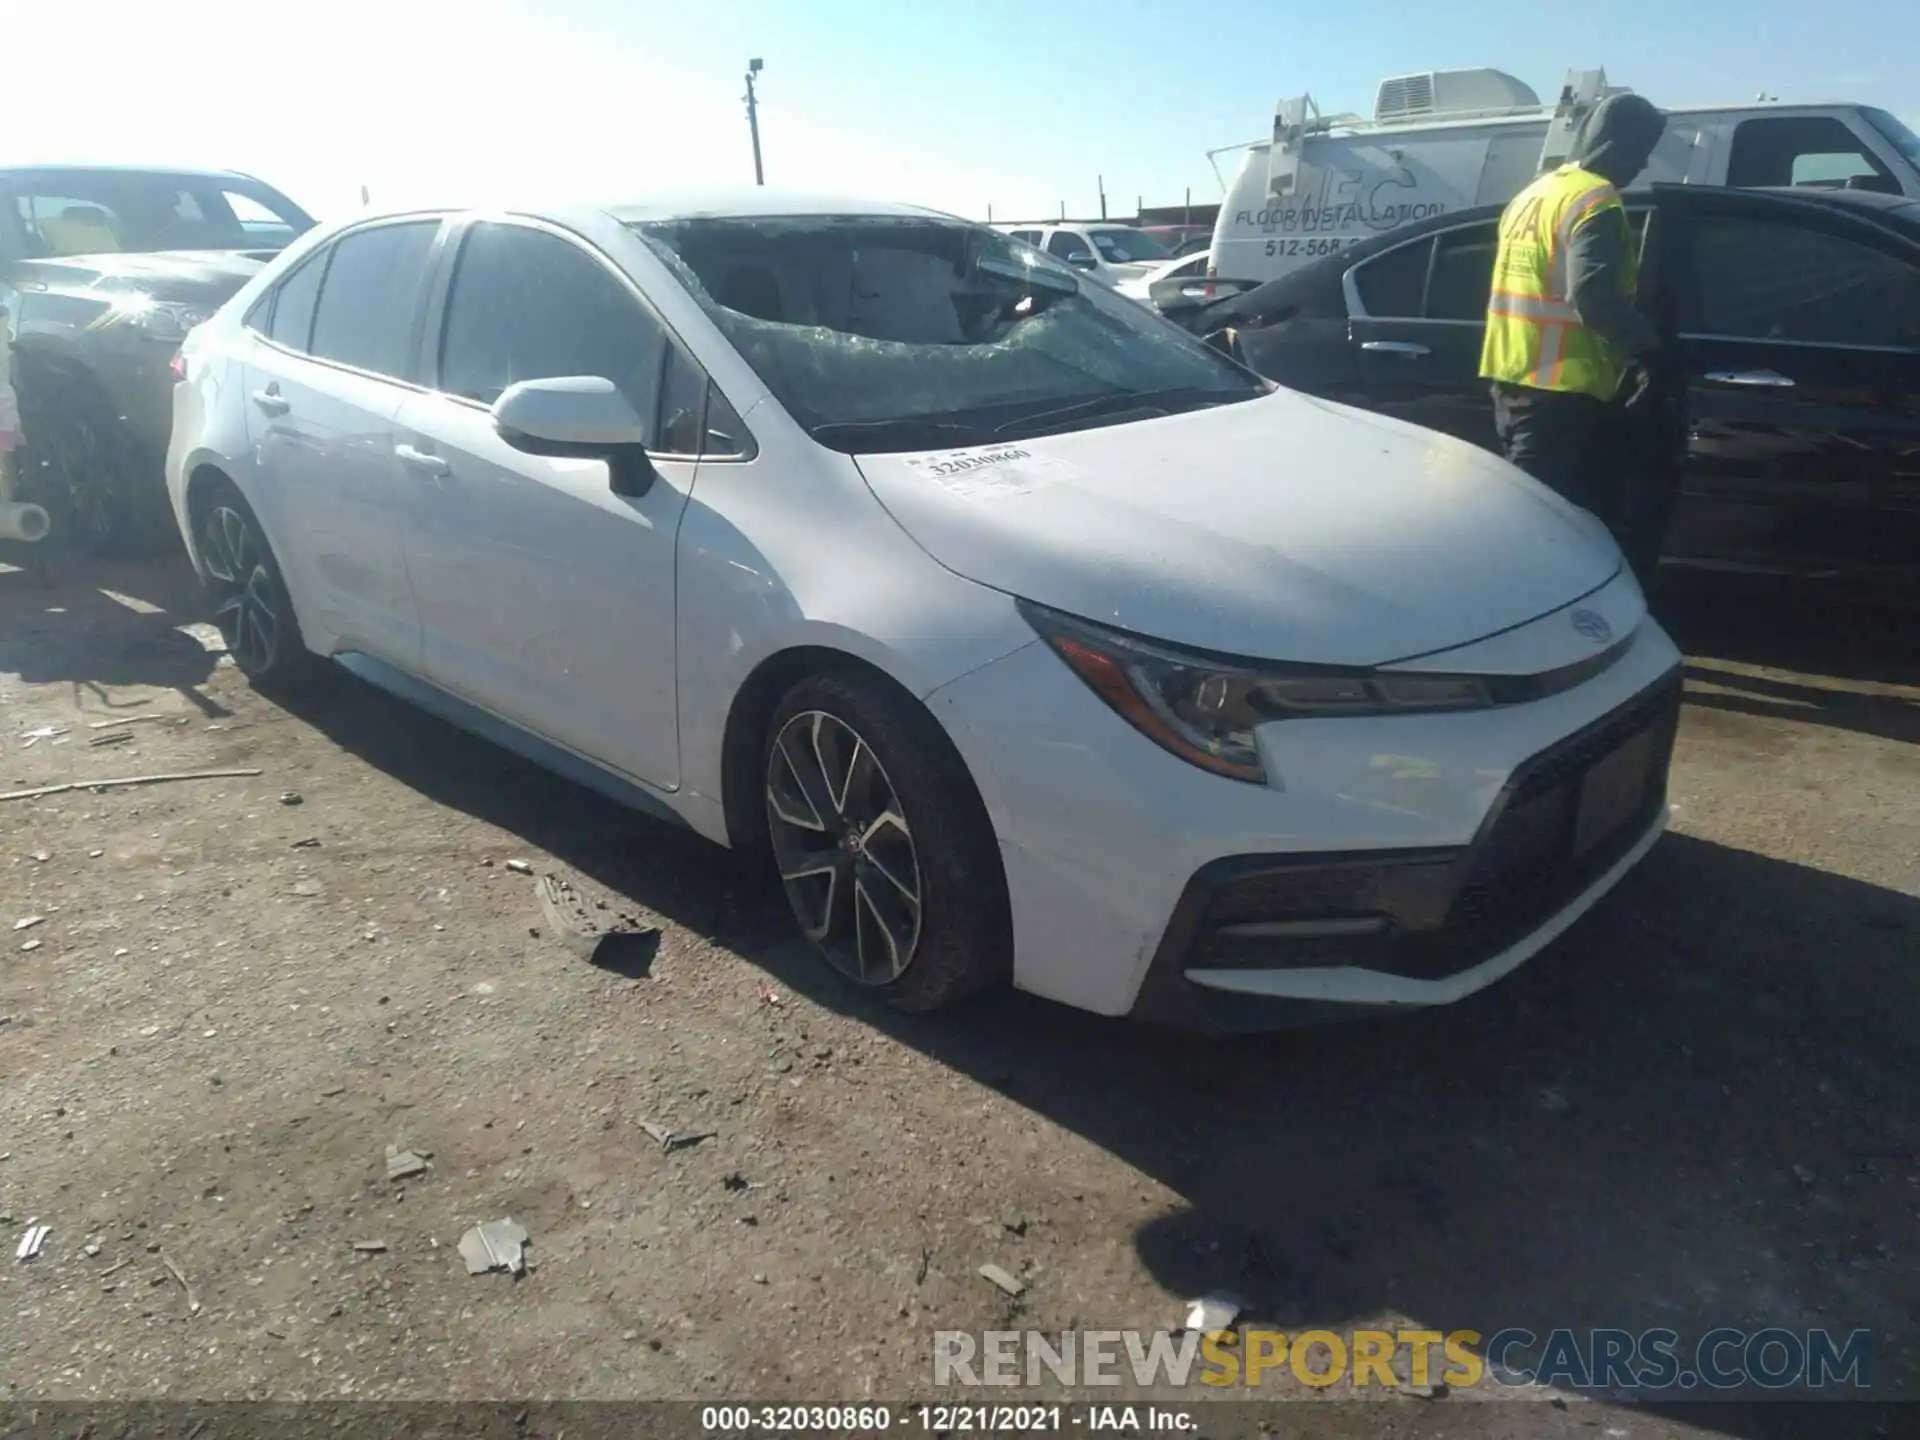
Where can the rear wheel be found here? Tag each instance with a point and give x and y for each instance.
(107, 492)
(886, 854)
(250, 602)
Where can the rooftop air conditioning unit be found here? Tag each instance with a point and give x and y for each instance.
(1436, 93)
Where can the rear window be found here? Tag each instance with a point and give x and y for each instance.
(368, 300)
(863, 326)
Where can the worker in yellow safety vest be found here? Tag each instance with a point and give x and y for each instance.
(1562, 330)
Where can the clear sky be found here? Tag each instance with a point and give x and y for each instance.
(1017, 104)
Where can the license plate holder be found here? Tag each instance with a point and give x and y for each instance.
(1611, 792)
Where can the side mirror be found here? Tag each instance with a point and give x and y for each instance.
(1081, 259)
(578, 417)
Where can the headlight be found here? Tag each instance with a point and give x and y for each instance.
(156, 319)
(1204, 707)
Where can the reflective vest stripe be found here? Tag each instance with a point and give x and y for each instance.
(1579, 210)
(1541, 309)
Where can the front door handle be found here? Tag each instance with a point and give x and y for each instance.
(429, 465)
(1405, 349)
(1771, 379)
(271, 401)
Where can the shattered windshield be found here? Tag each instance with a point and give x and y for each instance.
(104, 212)
(1122, 245)
(902, 333)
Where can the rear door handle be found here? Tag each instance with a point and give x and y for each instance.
(271, 402)
(1405, 349)
(1771, 379)
(429, 465)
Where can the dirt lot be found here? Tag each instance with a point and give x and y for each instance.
(1702, 1108)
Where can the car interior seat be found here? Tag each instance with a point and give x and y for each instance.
(80, 230)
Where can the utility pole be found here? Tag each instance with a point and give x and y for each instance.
(754, 67)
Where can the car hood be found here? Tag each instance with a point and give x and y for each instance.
(204, 277)
(1284, 528)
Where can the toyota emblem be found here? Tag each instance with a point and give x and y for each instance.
(1593, 625)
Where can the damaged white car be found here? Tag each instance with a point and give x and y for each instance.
(1031, 639)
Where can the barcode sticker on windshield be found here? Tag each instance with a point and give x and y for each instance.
(1002, 470)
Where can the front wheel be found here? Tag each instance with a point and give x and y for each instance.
(884, 849)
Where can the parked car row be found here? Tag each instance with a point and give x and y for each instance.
(1792, 347)
(1029, 636)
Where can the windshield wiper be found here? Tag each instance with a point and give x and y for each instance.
(904, 432)
(1119, 402)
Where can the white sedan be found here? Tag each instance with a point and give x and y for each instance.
(1028, 637)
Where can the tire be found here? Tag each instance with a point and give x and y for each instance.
(247, 595)
(106, 492)
(897, 881)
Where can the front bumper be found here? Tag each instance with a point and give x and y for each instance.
(1115, 852)
(1260, 941)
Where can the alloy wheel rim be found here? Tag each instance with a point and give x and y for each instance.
(244, 610)
(845, 852)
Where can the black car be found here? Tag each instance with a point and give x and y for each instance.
(1791, 325)
(103, 270)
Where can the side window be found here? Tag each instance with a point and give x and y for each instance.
(726, 432)
(528, 305)
(1768, 280)
(1029, 237)
(258, 224)
(683, 399)
(1064, 243)
(1803, 150)
(365, 316)
(1462, 273)
(1391, 284)
(291, 321)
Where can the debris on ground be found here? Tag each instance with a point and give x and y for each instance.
(193, 1299)
(1014, 1223)
(133, 720)
(770, 996)
(1214, 1312)
(111, 737)
(520, 867)
(310, 843)
(30, 946)
(738, 1181)
(668, 1140)
(46, 732)
(496, 1245)
(994, 1275)
(27, 922)
(291, 797)
(370, 1247)
(31, 1240)
(572, 921)
(41, 857)
(404, 1164)
(124, 781)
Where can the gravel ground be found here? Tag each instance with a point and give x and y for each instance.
(1698, 1109)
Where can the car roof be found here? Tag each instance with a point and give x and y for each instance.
(757, 202)
(182, 170)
